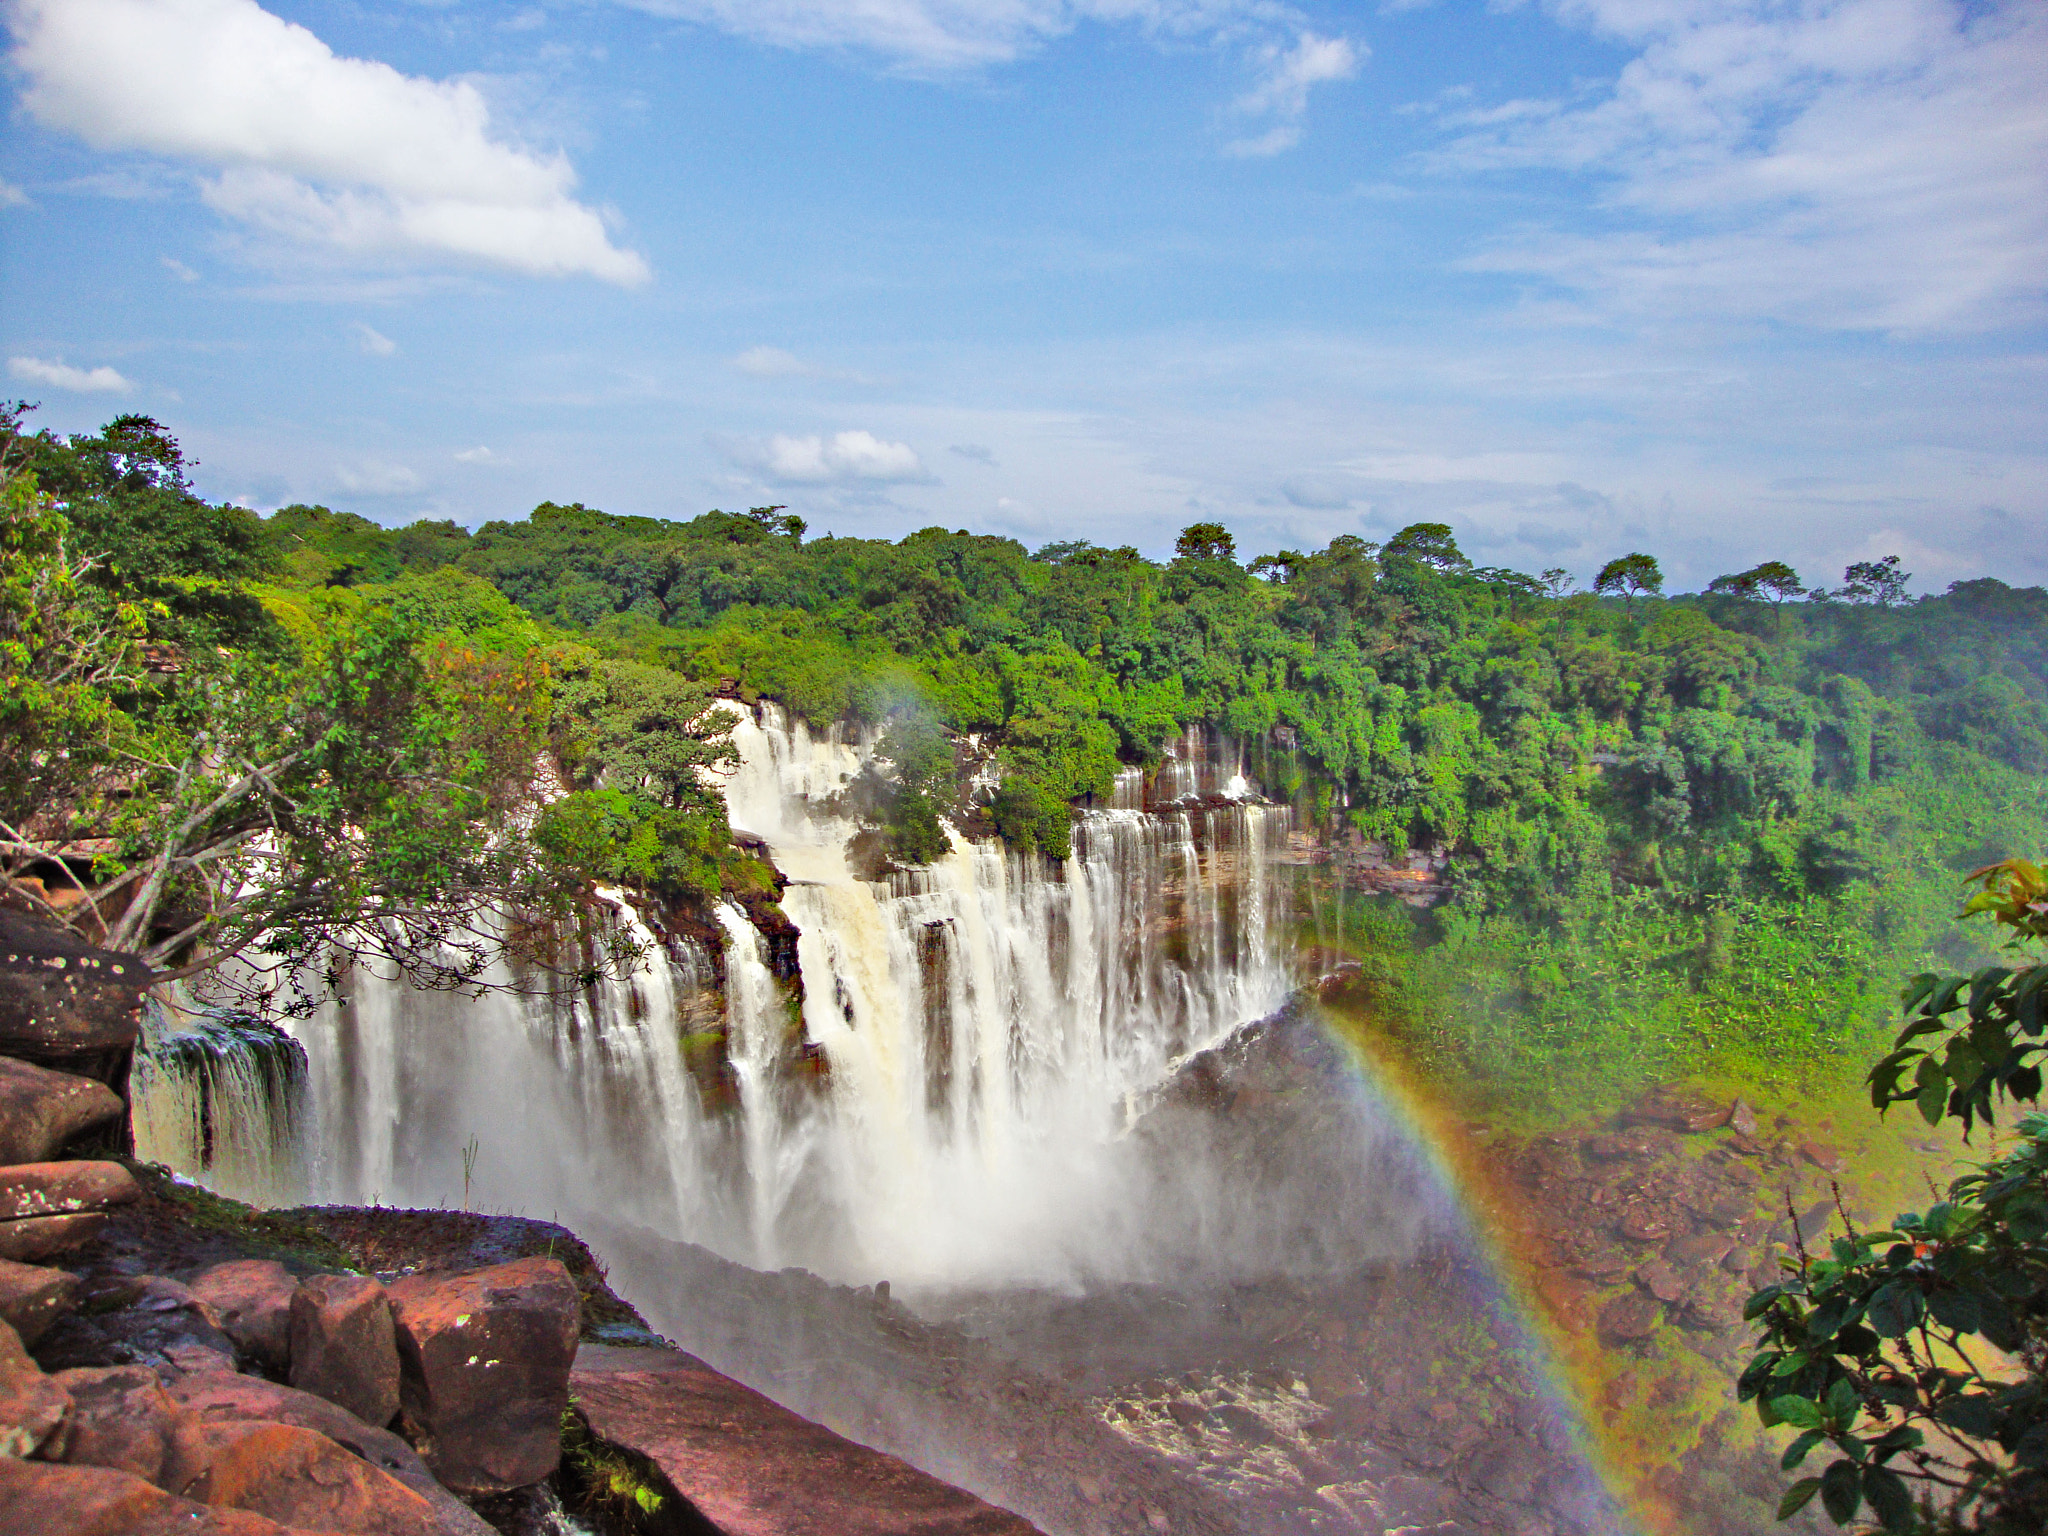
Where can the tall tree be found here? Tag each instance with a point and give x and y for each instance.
(1632, 576)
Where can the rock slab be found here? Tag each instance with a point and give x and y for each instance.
(98, 1501)
(63, 1001)
(342, 1345)
(753, 1468)
(32, 1297)
(32, 1406)
(40, 1110)
(59, 1189)
(485, 1359)
(121, 1417)
(252, 1300)
(305, 1481)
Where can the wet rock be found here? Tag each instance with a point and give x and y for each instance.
(1677, 1109)
(752, 1468)
(44, 1237)
(121, 1417)
(486, 1359)
(1640, 1224)
(1821, 1155)
(224, 1397)
(1188, 1415)
(1629, 1318)
(32, 1297)
(1738, 1261)
(1742, 1119)
(252, 1300)
(1622, 1147)
(305, 1481)
(32, 1406)
(56, 1189)
(96, 1501)
(1507, 1468)
(343, 1346)
(40, 1110)
(1699, 1248)
(137, 1320)
(1815, 1221)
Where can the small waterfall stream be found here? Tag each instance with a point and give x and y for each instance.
(948, 1102)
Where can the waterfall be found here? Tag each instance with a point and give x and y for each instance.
(947, 1104)
(219, 1096)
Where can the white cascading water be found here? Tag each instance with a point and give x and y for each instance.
(975, 1038)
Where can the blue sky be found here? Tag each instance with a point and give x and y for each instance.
(1725, 280)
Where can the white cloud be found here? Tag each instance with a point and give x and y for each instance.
(1286, 75)
(476, 455)
(36, 370)
(373, 341)
(980, 453)
(374, 478)
(12, 196)
(844, 457)
(774, 363)
(1840, 163)
(345, 154)
(179, 270)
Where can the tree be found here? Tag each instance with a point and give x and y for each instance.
(1773, 580)
(1430, 544)
(1205, 541)
(1878, 1347)
(1875, 581)
(1632, 576)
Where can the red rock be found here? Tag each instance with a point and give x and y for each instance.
(486, 1358)
(40, 1110)
(32, 1406)
(1742, 1119)
(225, 1397)
(305, 1481)
(51, 1500)
(44, 1237)
(1823, 1157)
(343, 1347)
(1660, 1280)
(55, 1189)
(753, 1468)
(1641, 1225)
(122, 1418)
(63, 1001)
(1699, 1248)
(252, 1301)
(1630, 1317)
(33, 1297)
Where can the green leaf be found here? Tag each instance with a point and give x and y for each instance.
(1797, 1497)
(1842, 1404)
(1799, 1412)
(1930, 1102)
(1895, 1308)
(1841, 1491)
(1889, 1500)
(1797, 1451)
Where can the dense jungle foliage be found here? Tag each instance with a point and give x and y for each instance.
(1717, 819)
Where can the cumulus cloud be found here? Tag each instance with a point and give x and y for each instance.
(342, 154)
(179, 270)
(476, 455)
(36, 370)
(1853, 164)
(374, 341)
(12, 196)
(375, 478)
(773, 363)
(843, 458)
(1286, 75)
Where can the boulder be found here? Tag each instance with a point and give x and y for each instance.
(1742, 1119)
(752, 1468)
(224, 1397)
(305, 1481)
(1661, 1280)
(1628, 1318)
(122, 1418)
(486, 1358)
(32, 1406)
(342, 1346)
(58, 1189)
(44, 1237)
(63, 1002)
(40, 1110)
(53, 1500)
(33, 1297)
(252, 1301)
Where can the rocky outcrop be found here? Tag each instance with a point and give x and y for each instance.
(40, 1110)
(485, 1360)
(343, 1347)
(753, 1468)
(99, 1501)
(306, 1481)
(64, 1003)
(252, 1301)
(32, 1407)
(121, 1417)
(32, 1297)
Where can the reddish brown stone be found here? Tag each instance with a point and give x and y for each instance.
(1699, 1248)
(224, 1397)
(305, 1481)
(1641, 1225)
(1822, 1156)
(753, 1468)
(1630, 1317)
(252, 1301)
(343, 1347)
(1742, 1119)
(51, 1500)
(56, 1189)
(1660, 1280)
(44, 1237)
(40, 1110)
(122, 1418)
(32, 1406)
(486, 1370)
(32, 1297)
